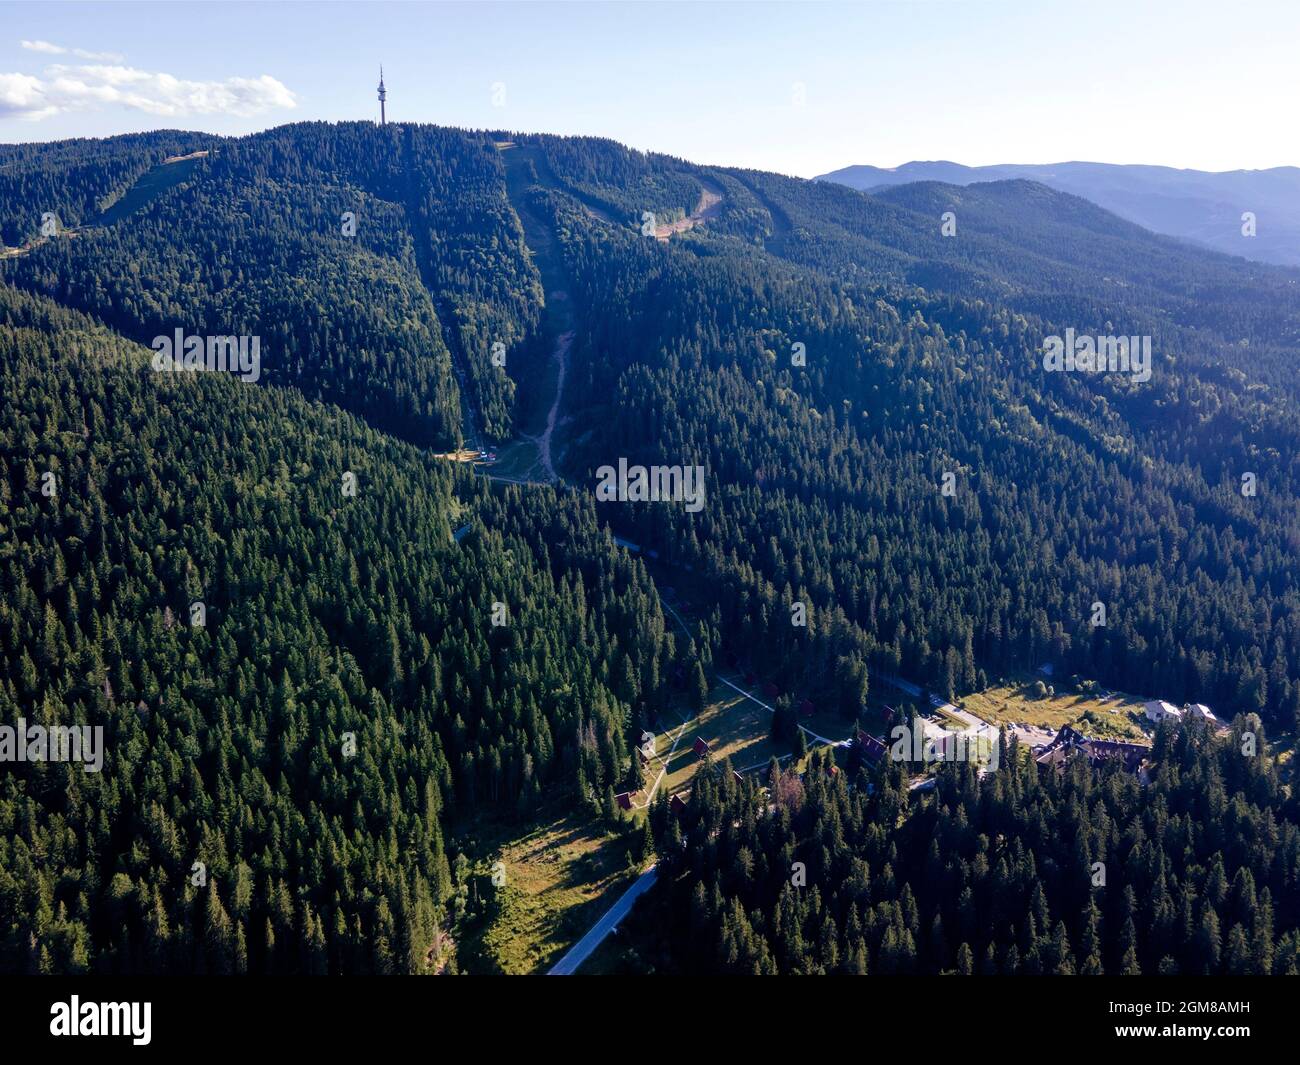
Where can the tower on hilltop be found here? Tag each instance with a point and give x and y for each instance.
(383, 95)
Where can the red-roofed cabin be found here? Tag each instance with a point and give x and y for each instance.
(676, 805)
(749, 680)
(624, 799)
(739, 779)
(770, 690)
(873, 750)
(806, 708)
(701, 748)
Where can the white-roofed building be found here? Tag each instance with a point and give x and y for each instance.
(1159, 710)
(1204, 712)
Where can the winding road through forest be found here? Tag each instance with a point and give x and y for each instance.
(559, 317)
(560, 321)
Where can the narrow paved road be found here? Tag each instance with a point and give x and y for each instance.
(581, 950)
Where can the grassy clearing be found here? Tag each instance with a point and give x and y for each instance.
(150, 186)
(518, 459)
(1015, 701)
(825, 722)
(560, 877)
(733, 726)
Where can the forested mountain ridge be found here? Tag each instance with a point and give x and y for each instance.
(257, 243)
(78, 180)
(346, 693)
(333, 614)
(826, 478)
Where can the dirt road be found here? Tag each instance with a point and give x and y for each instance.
(708, 207)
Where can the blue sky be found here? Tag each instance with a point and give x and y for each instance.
(799, 88)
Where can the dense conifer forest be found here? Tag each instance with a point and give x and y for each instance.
(1077, 872)
(334, 623)
(354, 696)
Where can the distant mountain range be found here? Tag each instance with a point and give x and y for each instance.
(1194, 205)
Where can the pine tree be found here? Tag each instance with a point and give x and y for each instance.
(699, 688)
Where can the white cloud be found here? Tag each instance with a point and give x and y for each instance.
(47, 48)
(88, 87)
(43, 46)
(20, 94)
